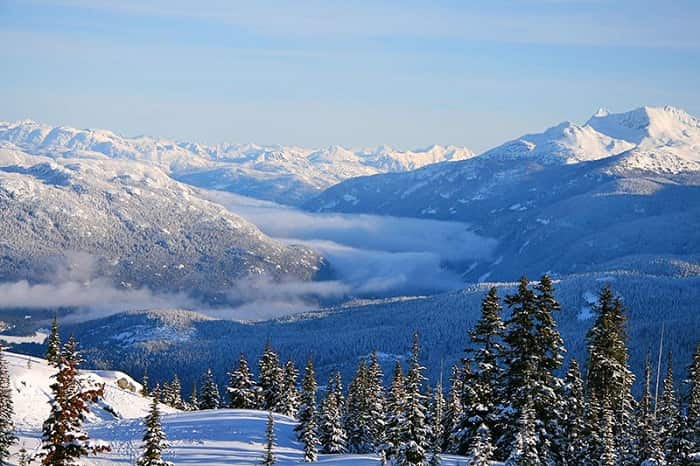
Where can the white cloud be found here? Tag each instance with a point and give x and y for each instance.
(97, 296)
(372, 255)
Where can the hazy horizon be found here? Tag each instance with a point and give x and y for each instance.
(318, 73)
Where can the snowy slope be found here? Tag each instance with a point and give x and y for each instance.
(213, 438)
(30, 379)
(218, 437)
(285, 174)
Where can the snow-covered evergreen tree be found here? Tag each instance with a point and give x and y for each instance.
(53, 343)
(336, 387)
(414, 430)
(176, 390)
(693, 421)
(485, 375)
(166, 394)
(523, 451)
(534, 353)
(210, 398)
(269, 456)
(193, 402)
(271, 379)
(64, 441)
(375, 402)
(650, 451)
(332, 434)
(571, 442)
(154, 439)
(609, 380)
(608, 450)
(171, 393)
(481, 449)
(395, 412)
(668, 417)
(358, 422)
(307, 429)
(7, 435)
(453, 412)
(242, 389)
(289, 399)
(435, 418)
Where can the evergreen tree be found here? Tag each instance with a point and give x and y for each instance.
(358, 422)
(336, 388)
(572, 442)
(193, 402)
(53, 348)
(307, 428)
(242, 389)
(481, 450)
(650, 450)
(269, 456)
(523, 451)
(668, 417)
(485, 374)
(289, 401)
(64, 441)
(375, 402)
(415, 433)
(693, 421)
(608, 452)
(176, 393)
(271, 376)
(549, 406)
(210, 392)
(331, 432)
(453, 412)
(534, 352)
(7, 436)
(166, 396)
(436, 416)
(395, 412)
(609, 379)
(154, 439)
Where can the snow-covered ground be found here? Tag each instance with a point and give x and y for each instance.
(210, 437)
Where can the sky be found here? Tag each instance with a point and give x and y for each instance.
(356, 73)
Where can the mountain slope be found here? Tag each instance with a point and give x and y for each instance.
(284, 174)
(570, 199)
(129, 224)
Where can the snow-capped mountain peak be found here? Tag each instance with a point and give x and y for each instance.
(564, 143)
(658, 123)
(662, 133)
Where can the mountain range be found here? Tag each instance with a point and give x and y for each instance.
(622, 190)
(284, 174)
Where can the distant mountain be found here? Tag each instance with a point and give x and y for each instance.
(622, 188)
(287, 175)
(136, 226)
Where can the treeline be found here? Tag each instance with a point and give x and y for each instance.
(507, 399)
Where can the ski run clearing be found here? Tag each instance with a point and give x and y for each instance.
(208, 437)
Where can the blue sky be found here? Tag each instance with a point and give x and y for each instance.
(355, 73)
